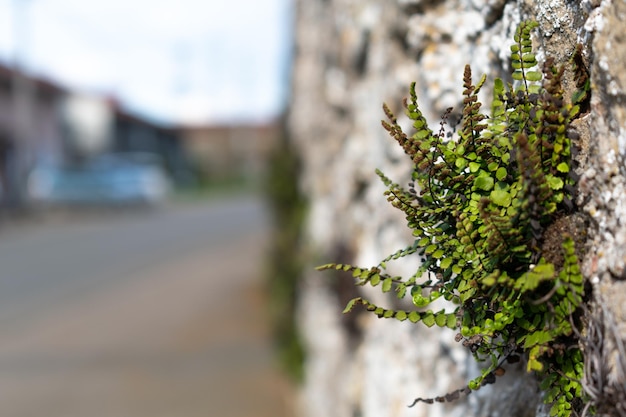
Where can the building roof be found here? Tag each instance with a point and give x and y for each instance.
(45, 85)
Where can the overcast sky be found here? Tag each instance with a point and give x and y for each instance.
(173, 60)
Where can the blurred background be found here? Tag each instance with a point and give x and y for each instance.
(147, 200)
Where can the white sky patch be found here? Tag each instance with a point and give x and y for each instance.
(170, 60)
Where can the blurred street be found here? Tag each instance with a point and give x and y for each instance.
(147, 313)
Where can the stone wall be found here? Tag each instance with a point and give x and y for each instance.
(350, 57)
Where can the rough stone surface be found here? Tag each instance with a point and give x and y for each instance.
(604, 188)
(351, 56)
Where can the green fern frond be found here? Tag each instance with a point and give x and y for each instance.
(523, 58)
(478, 208)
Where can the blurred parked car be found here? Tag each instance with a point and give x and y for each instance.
(113, 179)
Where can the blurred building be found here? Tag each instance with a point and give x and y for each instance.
(229, 150)
(31, 129)
(42, 123)
(45, 124)
(134, 134)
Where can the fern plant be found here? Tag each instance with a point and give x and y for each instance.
(479, 205)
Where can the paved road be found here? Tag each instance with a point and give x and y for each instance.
(154, 314)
